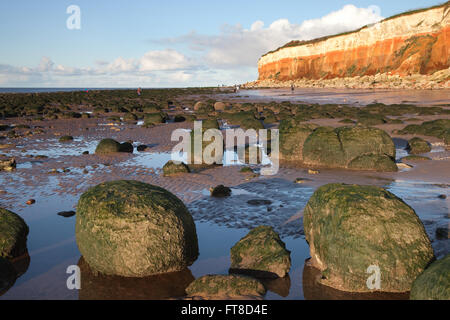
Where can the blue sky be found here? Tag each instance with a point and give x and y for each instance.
(164, 43)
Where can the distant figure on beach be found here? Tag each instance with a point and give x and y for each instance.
(139, 91)
(292, 87)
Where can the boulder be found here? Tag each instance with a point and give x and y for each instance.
(261, 253)
(171, 168)
(134, 229)
(434, 282)
(107, 146)
(220, 191)
(418, 146)
(351, 148)
(13, 234)
(414, 158)
(66, 139)
(7, 164)
(225, 287)
(7, 275)
(151, 119)
(292, 138)
(350, 228)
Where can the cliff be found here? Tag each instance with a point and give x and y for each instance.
(416, 42)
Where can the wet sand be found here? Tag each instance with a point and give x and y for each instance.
(220, 222)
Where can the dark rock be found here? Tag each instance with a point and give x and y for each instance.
(220, 191)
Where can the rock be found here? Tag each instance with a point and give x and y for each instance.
(434, 282)
(142, 148)
(107, 146)
(442, 196)
(350, 228)
(13, 234)
(66, 214)
(7, 275)
(219, 106)
(259, 202)
(351, 148)
(7, 164)
(225, 287)
(246, 170)
(220, 191)
(292, 138)
(443, 231)
(376, 162)
(418, 146)
(126, 147)
(171, 168)
(85, 153)
(7, 146)
(313, 172)
(302, 180)
(261, 253)
(200, 105)
(66, 139)
(414, 158)
(134, 229)
(30, 202)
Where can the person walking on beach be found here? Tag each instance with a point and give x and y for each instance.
(139, 91)
(292, 87)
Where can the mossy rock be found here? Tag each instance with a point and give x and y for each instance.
(107, 146)
(435, 128)
(225, 286)
(446, 138)
(374, 162)
(261, 253)
(13, 234)
(434, 282)
(351, 227)
(151, 119)
(338, 148)
(292, 137)
(66, 139)
(7, 275)
(171, 168)
(134, 229)
(196, 157)
(130, 118)
(219, 106)
(417, 146)
(414, 158)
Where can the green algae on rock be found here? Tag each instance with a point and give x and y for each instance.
(338, 148)
(66, 139)
(225, 286)
(107, 146)
(13, 234)
(134, 229)
(7, 275)
(292, 138)
(350, 228)
(220, 191)
(261, 253)
(417, 146)
(171, 168)
(434, 282)
(414, 158)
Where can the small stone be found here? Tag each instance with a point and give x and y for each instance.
(66, 214)
(259, 202)
(220, 191)
(310, 171)
(85, 152)
(442, 196)
(30, 202)
(301, 180)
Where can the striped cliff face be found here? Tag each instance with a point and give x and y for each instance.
(407, 44)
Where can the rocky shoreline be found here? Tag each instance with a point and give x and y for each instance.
(438, 80)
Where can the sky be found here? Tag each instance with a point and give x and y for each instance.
(171, 43)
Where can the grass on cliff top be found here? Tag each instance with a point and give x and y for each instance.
(295, 43)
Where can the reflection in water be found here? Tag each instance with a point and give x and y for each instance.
(101, 287)
(313, 290)
(11, 270)
(280, 286)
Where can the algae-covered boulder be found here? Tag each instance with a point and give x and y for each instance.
(13, 234)
(220, 191)
(435, 128)
(292, 138)
(151, 119)
(418, 146)
(352, 229)
(107, 146)
(434, 282)
(66, 139)
(7, 275)
(225, 287)
(261, 253)
(414, 158)
(350, 147)
(134, 229)
(171, 168)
